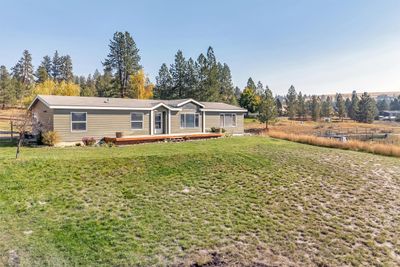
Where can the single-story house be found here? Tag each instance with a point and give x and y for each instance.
(75, 117)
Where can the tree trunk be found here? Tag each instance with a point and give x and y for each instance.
(266, 126)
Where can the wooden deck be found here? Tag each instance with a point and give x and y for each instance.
(159, 138)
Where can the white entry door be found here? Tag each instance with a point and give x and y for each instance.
(159, 123)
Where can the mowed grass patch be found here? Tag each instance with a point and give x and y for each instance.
(240, 201)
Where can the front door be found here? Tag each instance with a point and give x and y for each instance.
(159, 123)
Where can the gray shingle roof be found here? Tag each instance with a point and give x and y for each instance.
(101, 102)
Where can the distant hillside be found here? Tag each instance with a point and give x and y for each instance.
(373, 94)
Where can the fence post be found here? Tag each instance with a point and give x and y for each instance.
(12, 130)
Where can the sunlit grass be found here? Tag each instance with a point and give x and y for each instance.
(241, 201)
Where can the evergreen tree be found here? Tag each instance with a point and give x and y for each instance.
(226, 91)
(23, 70)
(347, 103)
(353, 108)
(327, 107)
(382, 105)
(251, 84)
(88, 86)
(367, 109)
(267, 110)
(395, 104)
(340, 106)
(56, 66)
(178, 71)
(105, 86)
(301, 106)
(260, 88)
(164, 84)
(66, 73)
(41, 74)
(315, 107)
(7, 95)
(238, 92)
(291, 102)
(191, 77)
(211, 85)
(279, 106)
(123, 58)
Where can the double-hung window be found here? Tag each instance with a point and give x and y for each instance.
(78, 121)
(137, 121)
(189, 120)
(227, 120)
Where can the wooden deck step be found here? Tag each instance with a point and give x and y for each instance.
(159, 138)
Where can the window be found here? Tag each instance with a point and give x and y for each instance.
(136, 121)
(78, 121)
(227, 120)
(189, 120)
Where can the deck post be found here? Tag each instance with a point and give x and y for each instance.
(151, 122)
(169, 121)
(203, 117)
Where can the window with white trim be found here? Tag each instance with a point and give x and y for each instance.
(136, 120)
(190, 120)
(78, 121)
(227, 120)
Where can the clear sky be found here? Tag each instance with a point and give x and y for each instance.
(319, 46)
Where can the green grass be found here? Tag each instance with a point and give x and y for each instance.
(241, 200)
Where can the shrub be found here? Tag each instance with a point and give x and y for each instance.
(88, 141)
(50, 138)
(217, 130)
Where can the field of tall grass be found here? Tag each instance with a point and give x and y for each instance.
(375, 148)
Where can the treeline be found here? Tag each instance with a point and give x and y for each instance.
(204, 79)
(257, 99)
(123, 76)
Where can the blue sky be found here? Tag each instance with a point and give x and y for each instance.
(319, 46)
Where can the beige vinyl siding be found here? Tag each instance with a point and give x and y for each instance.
(212, 120)
(44, 116)
(176, 119)
(100, 123)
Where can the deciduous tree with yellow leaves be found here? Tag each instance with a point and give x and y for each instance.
(51, 87)
(139, 86)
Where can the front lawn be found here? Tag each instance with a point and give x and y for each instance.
(239, 200)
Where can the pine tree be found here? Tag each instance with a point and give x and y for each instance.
(66, 73)
(340, 106)
(164, 84)
(382, 105)
(315, 107)
(251, 84)
(56, 66)
(211, 85)
(267, 110)
(353, 108)
(105, 86)
(301, 106)
(88, 86)
(395, 104)
(238, 92)
(327, 107)
(191, 79)
(23, 70)
(279, 106)
(260, 88)
(7, 95)
(291, 102)
(178, 72)
(41, 74)
(123, 58)
(367, 109)
(226, 91)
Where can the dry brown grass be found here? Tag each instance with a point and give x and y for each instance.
(381, 149)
